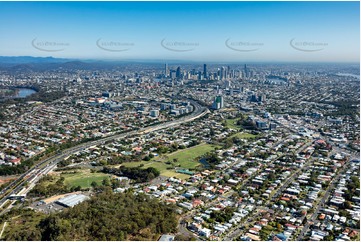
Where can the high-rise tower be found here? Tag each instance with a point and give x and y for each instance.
(205, 71)
(166, 70)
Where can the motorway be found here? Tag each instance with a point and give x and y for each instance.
(29, 178)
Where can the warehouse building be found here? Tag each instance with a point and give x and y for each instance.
(72, 200)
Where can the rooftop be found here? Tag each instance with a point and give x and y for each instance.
(72, 200)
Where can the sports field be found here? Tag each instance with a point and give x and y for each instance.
(83, 178)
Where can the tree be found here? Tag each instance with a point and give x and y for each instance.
(348, 205)
(135, 173)
(106, 182)
(344, 213)
(94, 184)
(143, 217)
(228, 143)
(211, 132)
(182, 237)
(75, 188)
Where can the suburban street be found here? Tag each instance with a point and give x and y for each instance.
(42, 168)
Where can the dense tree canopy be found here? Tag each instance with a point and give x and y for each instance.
(107, 216)
(212, 159)
(51, 185)
(135, 173)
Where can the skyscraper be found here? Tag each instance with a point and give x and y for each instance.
(223, 71)
(245, 70)
(173, 74)
(178, 73)
(166, 70)
(199, 75)
(205, 71)
(218, 102)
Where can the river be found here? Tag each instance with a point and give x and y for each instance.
(24, 92)
(348, 75)
(20, 92)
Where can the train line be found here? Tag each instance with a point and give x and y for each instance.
(19, 187)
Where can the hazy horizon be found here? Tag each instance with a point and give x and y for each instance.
(228, 32)
(173, 61)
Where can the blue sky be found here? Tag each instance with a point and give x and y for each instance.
(197, 31)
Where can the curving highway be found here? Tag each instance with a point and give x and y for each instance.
(27, 180)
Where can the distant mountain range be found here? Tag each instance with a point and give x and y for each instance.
(50, 59)
(26, 64)
(30, 59)
(15, 64)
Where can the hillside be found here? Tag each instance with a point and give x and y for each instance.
(107, 216)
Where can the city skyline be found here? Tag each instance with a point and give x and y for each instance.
(179, 121)
(207, 32)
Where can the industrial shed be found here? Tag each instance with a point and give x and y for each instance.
(72, 200)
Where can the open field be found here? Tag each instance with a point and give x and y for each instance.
(185, 159)
(232, 124)
(83, 178)
(159, 165)
(170, 173)
(244, 135)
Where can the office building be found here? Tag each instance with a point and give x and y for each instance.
(154, 113)
(261, 125)
(218, 102)
(164, 106)
(223, 73)
(199, 75)
(272, 126)
(205, 71)
(178, 73)
(173, 74)
(107, 94)
(228, 83)
(166, 70)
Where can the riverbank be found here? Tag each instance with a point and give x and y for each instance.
(7, 93)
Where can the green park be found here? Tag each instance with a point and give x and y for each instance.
(83, 178)
(183, 159)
